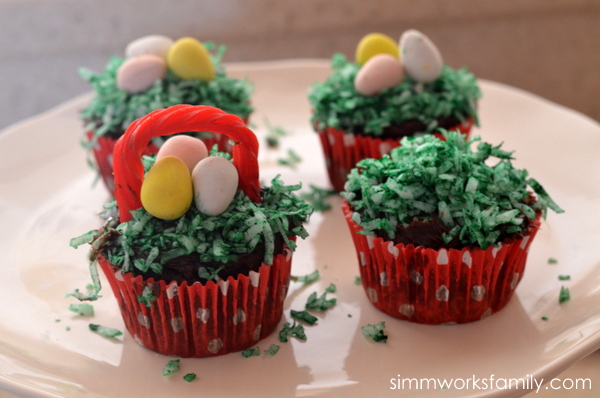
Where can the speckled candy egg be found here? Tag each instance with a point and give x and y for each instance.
(167, 191)
(373, 44)
(421, 58)
(138, 74)
(189, 149)
(149, 45)
(215, 181)
(380, 72)
(189, 59)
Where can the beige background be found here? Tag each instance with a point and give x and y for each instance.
(548, 47)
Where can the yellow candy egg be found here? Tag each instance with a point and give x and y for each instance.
(167, 191)
(189, 59)
(373, 44)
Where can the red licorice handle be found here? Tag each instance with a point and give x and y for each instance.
(127, 163)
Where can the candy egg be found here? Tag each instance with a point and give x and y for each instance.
(167, 191)
(189, 59)
(215, 181)
(187, 148)
(373, 44)
(138, 74)
(149, 45)
(379, 72)
(421, 58)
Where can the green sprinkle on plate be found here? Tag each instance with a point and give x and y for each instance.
(272, 350)
(318, 197)
(292, 330)
(375, 332)
(307, 279)
(564, 295)
(171, 367)
(251, 352)
(292, 160)
(105, 331)
(83, 309)
(320, 303)
(304, 316)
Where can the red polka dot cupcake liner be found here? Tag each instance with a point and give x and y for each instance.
(343, 150)
(443, 286)
(197, 319)
(103, 154)
(202, 320)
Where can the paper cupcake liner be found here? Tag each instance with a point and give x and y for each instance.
(343, 150)
(439, 286)
(103, 154)
(203, 320)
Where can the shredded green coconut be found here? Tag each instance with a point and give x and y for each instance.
(190, 377)
(307, 279)
(336, 103)
(147, 243)
(292, 330)
(251, 352)
(112, 110)
(292, 160)
(105, 330)
(564, 277)
(564, 295)
(274, 133)
(552, 261)
(304, 316)
(429, 180)
(319, 303)
(318, 197)
(147, 297)
(332, 288)
(272, 350)
(82, 309)
(375, 332)
(171, 367)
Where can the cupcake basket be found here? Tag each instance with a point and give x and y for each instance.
(201, 319)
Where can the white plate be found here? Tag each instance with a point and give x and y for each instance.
(46, 198)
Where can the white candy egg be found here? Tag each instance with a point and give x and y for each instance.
(421, 58)
(215, 180)
(149, 45)
(187, 148)
(380, 72)
(138, 74)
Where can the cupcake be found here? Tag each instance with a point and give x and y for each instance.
(156, 73)
(391, 91)
(441, 236)
(198, 261)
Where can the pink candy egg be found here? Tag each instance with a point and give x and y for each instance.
(380, 72)
(138, 74)
(187, 148)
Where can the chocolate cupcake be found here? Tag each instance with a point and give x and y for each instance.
(391, 91)
(441, 236)
(199, 262)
